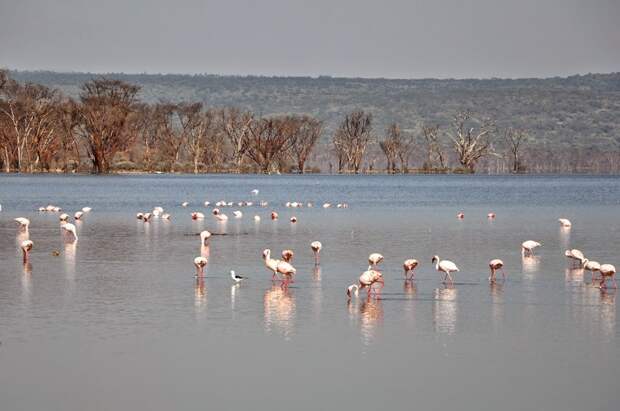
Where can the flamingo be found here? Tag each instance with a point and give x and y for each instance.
(528, 246)
(494, 265)
(274, 215)
(70, 229)
(197, 215)
(366, 280)
(316, 249)
(237, 214)
(146, 217)
(255, 191)
(374, 259)
(277, 266)
(257, 218)
(63, 218)
(22, 223)
(78, 215)
(460, 215)
(607, 270)
(200, 263)
(204, 237)
(445, 266)
(165, 216)
(491, 216)
(327, 205)
(293, 219)
(408, 266)
(565, 222)
(140, 216)
(26, 247)
(184, 204)
(287, 255)
(86, 209)
(591, 266)
(575, 255)
(236, 278)
(207, 203)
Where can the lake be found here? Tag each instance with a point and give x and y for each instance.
(118, 321)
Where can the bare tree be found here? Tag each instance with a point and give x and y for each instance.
(170, 133)
(308, 131)
(515, 138)
(105, 114)
(471, 143)
(68, 117)
(389, 146)
(353, 137)
(200, 128)
(270, 138)
(236, 125)
(146, 128)
(434, 149)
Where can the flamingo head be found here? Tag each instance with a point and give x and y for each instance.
(266, 253)
(353, 289)
(216, 211)
(435, 259)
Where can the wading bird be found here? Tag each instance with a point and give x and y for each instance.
(592, 266)
(408, 266)
(287, 255)
(607, 271)
(527, 247)
(236, 278)
(494, 265)
(374, 259)
(366, 280)
(565, 222)
(491, 216)
(26, 247)
(70, 231)
(446, 267)
(22, 223)
(204, 237)
(197, 215)
(575, 255)
(278, 266)
(316, 249)
(200, 263)
(78, 215)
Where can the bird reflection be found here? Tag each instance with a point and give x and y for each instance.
(316, 273)
(497, 297)
(22, 236)
(565, 237)
(205, 251)
(222, 226)
(279, 311)
(70, 252)
(371, 317)
(200, 295)
(608, 311)
(445, 310)
(26, 282)
(409, 288)
(530, 263)
(574, 275)
(233, 295)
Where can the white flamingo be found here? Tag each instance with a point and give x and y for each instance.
(408, 266)
(366, 280)
(374, 259)
(494, 265)
(527, 247)
(575, 255)
(316, 247)
(26, 246)
(278, 266)
(607, 271)
(204, 237)
(22, 223)
(71, 231)
(78, 215)
(565, 222)
(200, 264)
(445, 266)
(592, 266)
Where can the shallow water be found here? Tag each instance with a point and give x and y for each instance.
(118, 321)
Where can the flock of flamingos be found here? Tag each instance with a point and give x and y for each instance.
(283, 271)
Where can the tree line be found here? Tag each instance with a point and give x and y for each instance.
(108, 128)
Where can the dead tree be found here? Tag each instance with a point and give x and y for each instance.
(352, 139)
(199, 129)
(434, 149)
(389, 146)
(146, 128)
(68, 118)
(105, 111)
(515, 138)
(308, 131)
(470, 143)
(170, 134)
(236, 126)
(270, 139)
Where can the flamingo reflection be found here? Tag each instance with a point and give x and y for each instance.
(445, 310)
(279, 311)
(371, 318)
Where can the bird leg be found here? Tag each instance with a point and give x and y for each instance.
(450, 277)
(503, 274)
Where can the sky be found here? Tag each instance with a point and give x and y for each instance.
(346, 38)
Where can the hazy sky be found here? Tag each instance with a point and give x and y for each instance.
(389, 38)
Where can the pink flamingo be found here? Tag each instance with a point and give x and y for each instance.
(71, 231)
(374, 259)
(575, 255)
(22, 223)
(287, 255)
(607, 271)
(366, 280)
(527, 247)
(26, 247)
(494, 265)
(316, 249)
(565, 222)
(274, 215)
(197, 215)
(491, 216)
(460, 215)
(200, 263)
(278, 266)
(204, 237)
(408, 266)
(592, 266)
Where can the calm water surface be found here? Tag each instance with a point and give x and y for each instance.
(118, 321)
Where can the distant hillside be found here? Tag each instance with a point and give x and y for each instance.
(565, 112)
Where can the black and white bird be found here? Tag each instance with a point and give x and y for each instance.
(236, 278)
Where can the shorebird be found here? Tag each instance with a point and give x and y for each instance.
(528, 246)
(70, 230)
(236, 278)
(366, 280)
(575, 255)
(408, 266)
(565, 222)
(287, 255)
(200, 264)
(278, 266)
(592, 266)
(22, 223)
(494, 265)
(327, 205)
(316, 249)
(446, 267)
(374, 259)
(204, 237)
(26, 247)
(607, 271)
